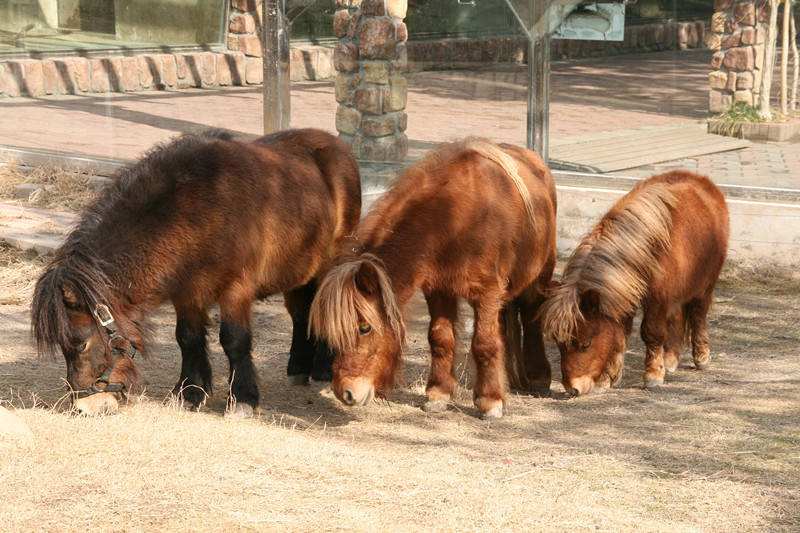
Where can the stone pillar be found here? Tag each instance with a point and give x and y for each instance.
(737, 36)
(244, 35)
(371, 88)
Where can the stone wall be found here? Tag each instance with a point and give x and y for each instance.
(738, 35)
(370, 60)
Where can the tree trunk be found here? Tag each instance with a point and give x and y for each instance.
(769, 61)
(787, 13)
(795, 62)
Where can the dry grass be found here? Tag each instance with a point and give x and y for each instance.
(716, 450)
(61, 189)
(18, 272)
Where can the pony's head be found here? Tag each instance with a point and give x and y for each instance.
(355, 310)
(62, 319)
(592, 345)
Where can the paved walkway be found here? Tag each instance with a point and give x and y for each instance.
(589, 96)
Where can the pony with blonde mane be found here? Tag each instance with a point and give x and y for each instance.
(661, 247)
(473, 220)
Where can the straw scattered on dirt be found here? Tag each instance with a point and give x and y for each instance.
(58, 188)
(714, 450)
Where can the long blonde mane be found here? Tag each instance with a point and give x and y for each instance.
(494, 153)
(616, 261)
(339, 306)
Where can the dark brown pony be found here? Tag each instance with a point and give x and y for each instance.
(473, 220)
(661, 246)
(201, 220)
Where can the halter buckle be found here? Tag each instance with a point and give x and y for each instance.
(103, 315)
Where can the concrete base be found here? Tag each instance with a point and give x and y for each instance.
(763, 131)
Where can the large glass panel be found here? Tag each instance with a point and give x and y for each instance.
(51, 26)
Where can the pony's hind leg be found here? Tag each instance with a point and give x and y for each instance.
(488, 352)
(654, 335)
(236, 338)
(194, 384)
(697, 315)
(308, 357)
(676, 331)
(443, 309)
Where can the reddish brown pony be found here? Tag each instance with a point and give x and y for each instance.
(473, 220)
(660, 246)
(202, 220)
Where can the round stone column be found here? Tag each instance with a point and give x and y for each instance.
(371, 88)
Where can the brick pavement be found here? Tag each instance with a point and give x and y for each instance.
(622, 92)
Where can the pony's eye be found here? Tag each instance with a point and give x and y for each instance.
(585, 345)
(364, 328)
(82, 347)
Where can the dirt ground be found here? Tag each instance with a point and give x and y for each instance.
(717, 450)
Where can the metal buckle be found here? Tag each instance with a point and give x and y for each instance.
(103, 315)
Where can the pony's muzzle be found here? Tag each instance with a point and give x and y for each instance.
(579, 386)
(357, 391)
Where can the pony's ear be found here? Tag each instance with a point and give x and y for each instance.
(367, 280)
(70, 296)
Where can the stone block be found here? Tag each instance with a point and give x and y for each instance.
(348, 120)
(250, 45)
(345, 85)
(401, 32)
(716, 60)
(719, 102)
(718, 22)
(106, 74)
(389, 148)
(345, 57)
(744, 80)
(740, 59)
(370, 99)
(232, 42)
(731, 82)
(397, 8)
(53, 82)
(246, 5)
(341, 23)
(378, 125)
(323, 64)
(377, 38)
(748, 35)
(208, 68)
(745, 13)
(169, 71)
(745, 96)
(242, 23)
(254, 71)
(373, 8)
(223, 70)
(188, 71)
(149, 77)
(398, 94)
(376, 72)
(235, 66)
(718, 79)
(9, 82)
(732, 41)
(714, 41)
(130, 74)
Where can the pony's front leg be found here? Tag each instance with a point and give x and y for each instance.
(539, 372)
(236, 339)
(673, 345)
(654, 335)
(443, 309)
(307, 356)
(488, 352)
(194, 385)
(698, 322)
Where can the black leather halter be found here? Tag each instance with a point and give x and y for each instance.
(120, 348)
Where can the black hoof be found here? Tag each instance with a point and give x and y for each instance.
(192, 395)
(541, 392)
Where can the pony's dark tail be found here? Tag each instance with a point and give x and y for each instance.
(517, 371)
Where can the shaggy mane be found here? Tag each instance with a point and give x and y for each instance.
(339, 306)
(616, 261)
